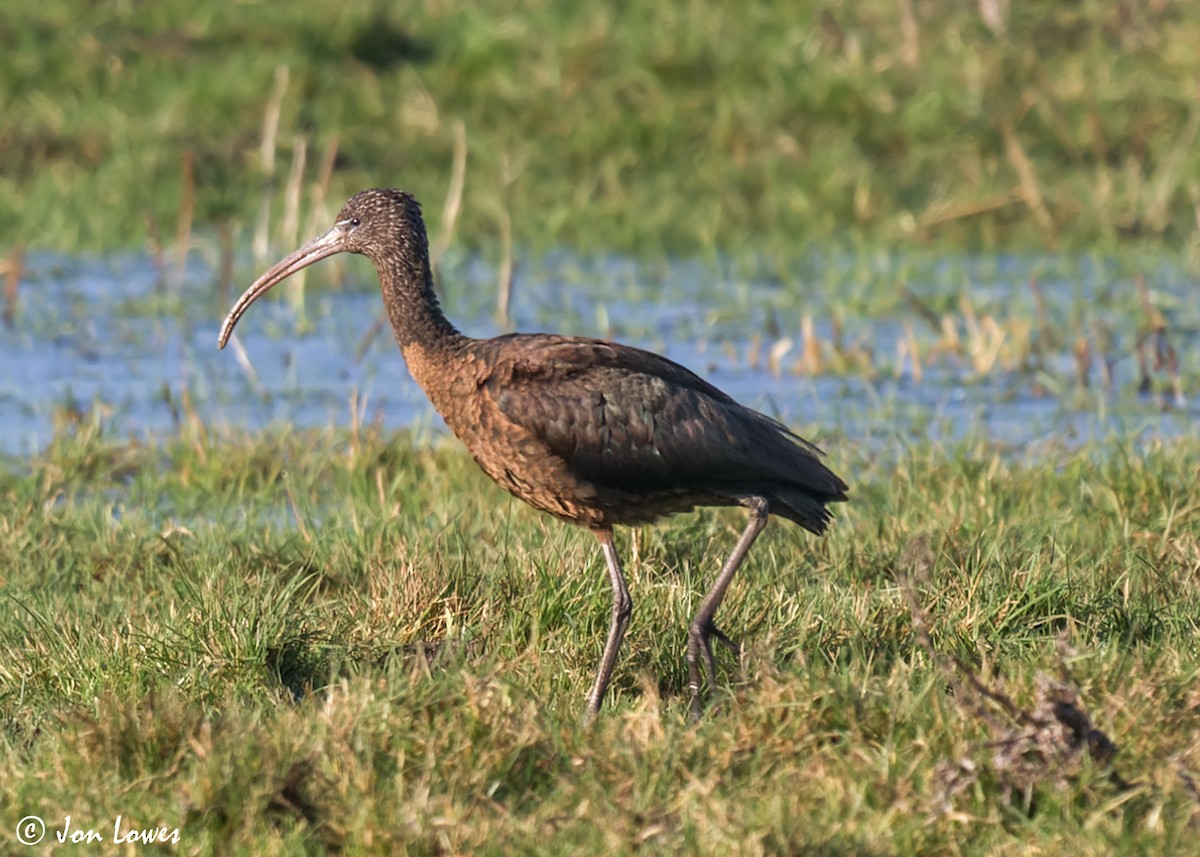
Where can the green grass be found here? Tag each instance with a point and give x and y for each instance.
(684, 128)
(289, 642)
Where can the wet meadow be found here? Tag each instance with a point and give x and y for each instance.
(260, 602)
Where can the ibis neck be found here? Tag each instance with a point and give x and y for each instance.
(412, 306)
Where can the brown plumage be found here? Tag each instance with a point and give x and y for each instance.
(592, 432)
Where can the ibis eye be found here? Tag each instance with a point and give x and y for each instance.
(355, 221)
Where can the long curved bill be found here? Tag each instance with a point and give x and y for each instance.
(327, 245)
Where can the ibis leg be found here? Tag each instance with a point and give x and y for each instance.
(622, 609)
(703, 629)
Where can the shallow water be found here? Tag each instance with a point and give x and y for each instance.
(103, 336)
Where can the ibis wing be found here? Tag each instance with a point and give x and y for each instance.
(630, 419)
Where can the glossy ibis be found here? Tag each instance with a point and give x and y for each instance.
(592, 432)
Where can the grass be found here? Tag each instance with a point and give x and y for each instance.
(680, 129)
(289, 643)
(306, 641)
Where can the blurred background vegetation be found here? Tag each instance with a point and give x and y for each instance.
(668, 128)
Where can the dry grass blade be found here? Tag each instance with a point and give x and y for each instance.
(453, 205)
(155, 246)
(1083, 360)
(1155, 320)
(183, 232)
(777, 352)
(294, 508)
(1155, 343)
(243, 360)
(910, 34)
(754, 351)
(994, 13)
(985, 338)
(907, 349)
(507, 265)
(317, 213)
(290, 226)
(369, 337)
(1046, 337)
(14, 269)
(266, 157)
(810, 361)
(1165, 183)
(225, 245)
(1030, 190)
(922, 309)
(960, 211)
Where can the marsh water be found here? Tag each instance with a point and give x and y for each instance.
(106, 339)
